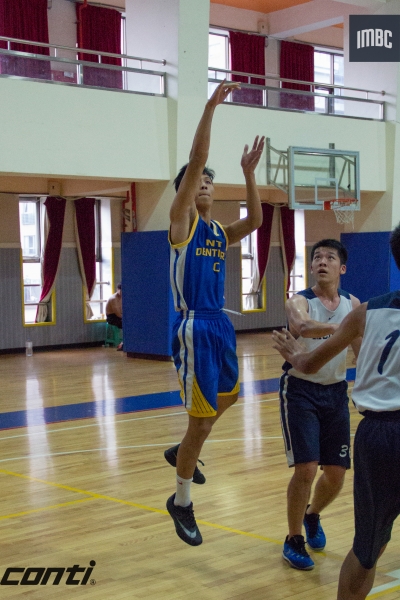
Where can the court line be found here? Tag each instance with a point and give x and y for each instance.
(44, 508)
(94, 495)
(389, 589)
(174, 414)
(167, 444)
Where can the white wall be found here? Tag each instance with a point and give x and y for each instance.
(65, 130)
(234, 126)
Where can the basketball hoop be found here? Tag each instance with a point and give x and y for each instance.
(343, 208)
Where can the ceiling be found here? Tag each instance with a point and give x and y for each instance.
(264, 6)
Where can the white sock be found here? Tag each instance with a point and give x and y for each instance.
(182, 496)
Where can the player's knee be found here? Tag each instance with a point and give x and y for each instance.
(201, 427)
(335, 476)
(305, 472)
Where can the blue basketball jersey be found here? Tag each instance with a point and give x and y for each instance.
(197, 268)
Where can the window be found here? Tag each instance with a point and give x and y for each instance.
(251, 299)
(328, 71)
(218, 55)
(298, 275)
(102, 290)
(29, 213)
(124, 50)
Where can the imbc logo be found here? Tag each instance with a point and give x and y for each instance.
(374, 38)
(49, 575)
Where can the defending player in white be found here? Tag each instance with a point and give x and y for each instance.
(376, 395)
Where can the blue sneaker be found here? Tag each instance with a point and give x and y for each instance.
(314, 533)
(294, 551)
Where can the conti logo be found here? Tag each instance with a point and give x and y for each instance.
(48, 575)
(374, 37)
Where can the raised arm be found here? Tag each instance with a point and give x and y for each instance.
(237, 230)
(351, 328)
(183, 207)
(300, 322)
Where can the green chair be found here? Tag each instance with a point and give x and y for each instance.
(113, 336)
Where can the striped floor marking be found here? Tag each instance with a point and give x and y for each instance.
(387, 588)
(117, 406)
(94, 495)
(375, 593)
(45, 508)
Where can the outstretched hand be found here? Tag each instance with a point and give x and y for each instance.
(251, 159)
(286, 344)
(222, 92)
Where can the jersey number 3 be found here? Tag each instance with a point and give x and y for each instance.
(392, 337)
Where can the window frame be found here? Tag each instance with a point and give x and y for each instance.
(99, 262)
(328, 87)
(37, 258)
(249, 255)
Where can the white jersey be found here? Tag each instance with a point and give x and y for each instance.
(334, 370)
(377, 385)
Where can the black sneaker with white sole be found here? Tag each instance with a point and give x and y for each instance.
(185, 523)
(170, 457)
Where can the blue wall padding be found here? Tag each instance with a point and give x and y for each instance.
(147, 303)
(368, 265)
(394, 275)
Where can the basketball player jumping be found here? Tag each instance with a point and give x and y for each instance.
(204, 344)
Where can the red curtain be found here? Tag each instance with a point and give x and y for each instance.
(85, 232)
(287, 242)
(100, 29)
(252, 300)
(55, 211)
(27, 20)
(297, 62)
(264, 239)
(247, 56)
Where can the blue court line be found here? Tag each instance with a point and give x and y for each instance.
(119, 406)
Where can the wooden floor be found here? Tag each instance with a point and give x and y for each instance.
(95, 489)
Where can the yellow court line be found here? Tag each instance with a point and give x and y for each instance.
(35, 510)
(85, 492)
(134, 504)
(94, 496)
(384, 592)
(240, 532)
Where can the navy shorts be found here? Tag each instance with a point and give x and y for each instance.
(315, 421)
(204, 352)
(376, 483)
(112, 319)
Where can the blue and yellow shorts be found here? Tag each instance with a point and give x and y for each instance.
(204, 352)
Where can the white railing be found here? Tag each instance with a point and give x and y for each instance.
(334, 100)
(65, 65)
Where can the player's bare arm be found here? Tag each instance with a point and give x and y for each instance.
(300, 322)
(355, 344)
(183, 209)
(237, 230)
(351, 328)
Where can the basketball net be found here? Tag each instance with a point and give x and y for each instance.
(343, 215)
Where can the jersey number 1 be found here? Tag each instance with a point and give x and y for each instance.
(392, 337)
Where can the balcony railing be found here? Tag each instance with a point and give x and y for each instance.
(66, 66)
(325, 99)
